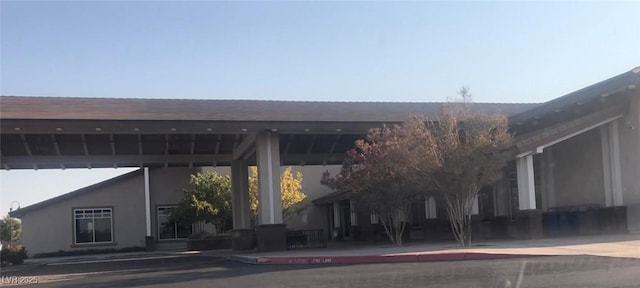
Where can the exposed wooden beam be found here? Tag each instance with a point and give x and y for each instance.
(289, 143)
(110, 159)
(57, 148)
(333, 147)
(26, 144)
(310, 148)
(306, 158)
(140, 152)
(84, 145)
(245, 146)
(192, 149)
(112, 142)
(217, 150)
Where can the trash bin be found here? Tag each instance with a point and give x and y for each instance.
(550, 223)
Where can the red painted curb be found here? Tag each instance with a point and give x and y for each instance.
(458, 256)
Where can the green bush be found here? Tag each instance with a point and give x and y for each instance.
(60, 253)
(15, 255)
(208, 235)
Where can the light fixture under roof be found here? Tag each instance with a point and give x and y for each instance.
(173, 129)
(58, 129)
(244, 129)
(307, 130)
(274, 130)
(16, 129)
(209, 129)
(98, 129)
(338, 130)
(136, 129)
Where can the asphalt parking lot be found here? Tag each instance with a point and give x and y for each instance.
(203, 271)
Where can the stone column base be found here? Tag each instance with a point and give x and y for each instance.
(243, 239)
(149, 243)
(271, 237)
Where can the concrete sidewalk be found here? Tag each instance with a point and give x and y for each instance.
(624, 245)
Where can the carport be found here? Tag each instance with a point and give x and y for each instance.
(76, 133)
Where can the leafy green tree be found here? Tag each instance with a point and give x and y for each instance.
(10, 229)
(208, 199)
(290, 188)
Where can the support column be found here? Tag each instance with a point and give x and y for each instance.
(147, 202)
(271, 233)
(336, 232)
(526, 184)
(336, 214)
(268, 155)
(240, 196)
(354, 213)
(528, 219)
(611, 164)
(149, 242)
(549, 178)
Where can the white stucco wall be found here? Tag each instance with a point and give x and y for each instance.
(166, 187)
(577, 171)
(629, 136)
(50, 228)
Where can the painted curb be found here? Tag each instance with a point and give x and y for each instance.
(366, 259)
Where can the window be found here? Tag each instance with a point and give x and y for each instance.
(430, 210)
(170, 229)
(93, 225)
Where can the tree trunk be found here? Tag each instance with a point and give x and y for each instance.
(460, 221)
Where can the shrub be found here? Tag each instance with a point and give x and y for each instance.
(15, 255)
(89, 252)
(208, 235)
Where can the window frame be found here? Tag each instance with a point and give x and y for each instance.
(92, 209)
(175, 225)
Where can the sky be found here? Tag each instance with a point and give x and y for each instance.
(320, 51)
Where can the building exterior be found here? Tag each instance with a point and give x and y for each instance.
(110, 214)
(576, 167)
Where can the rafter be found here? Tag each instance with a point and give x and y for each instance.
(110, 160)
(245, 147)
(57, 149)
(333, 148)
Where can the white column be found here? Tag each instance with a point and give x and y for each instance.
(606, 165)
(611, 164)
(268, 156)
(336, 214)
(526, 184)
(430, 208)
(549, 179)
(147, 201)
(475, 208)
(354, 213)
(240, 195)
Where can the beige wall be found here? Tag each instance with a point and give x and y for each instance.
(313, 217)
(50, 229)
(629, 136)
(577, 171)
(166, 188)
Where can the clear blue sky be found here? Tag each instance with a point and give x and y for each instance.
(382, 51)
